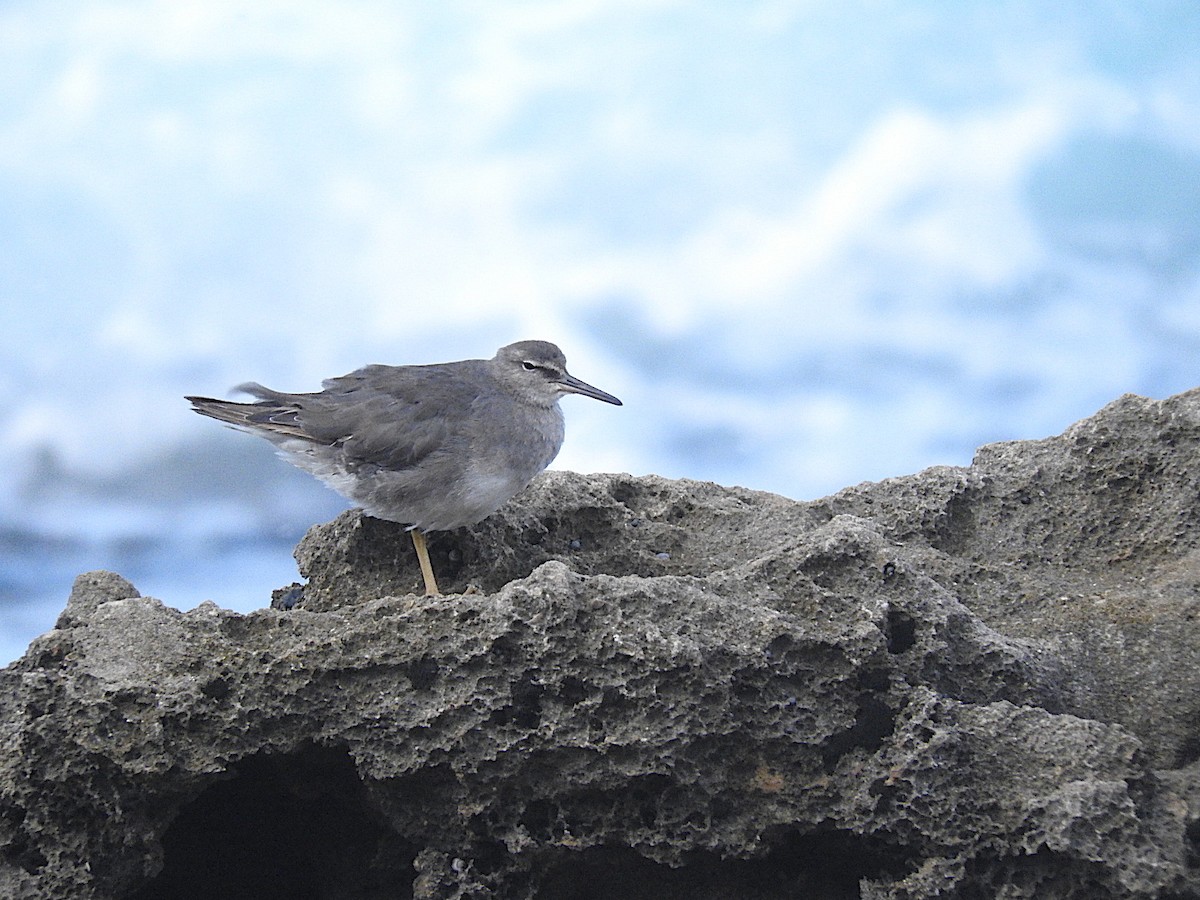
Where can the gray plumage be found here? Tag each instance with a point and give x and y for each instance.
(434, 447)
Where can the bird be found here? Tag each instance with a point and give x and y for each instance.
(433, 447)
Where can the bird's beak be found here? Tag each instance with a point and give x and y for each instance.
(572, 385)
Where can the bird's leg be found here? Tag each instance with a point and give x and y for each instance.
(431, 588)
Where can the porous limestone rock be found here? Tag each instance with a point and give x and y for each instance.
(968, 682)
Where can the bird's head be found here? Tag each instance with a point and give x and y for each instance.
(538, 371)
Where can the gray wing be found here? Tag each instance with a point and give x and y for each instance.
(388, 416)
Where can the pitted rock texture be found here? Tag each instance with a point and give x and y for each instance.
(969, 682)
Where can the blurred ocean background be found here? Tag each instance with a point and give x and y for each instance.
(809, 243)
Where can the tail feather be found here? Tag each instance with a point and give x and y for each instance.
(254, 389)
(266, 417)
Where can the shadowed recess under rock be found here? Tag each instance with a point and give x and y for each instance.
(828, 866)
(296, 825)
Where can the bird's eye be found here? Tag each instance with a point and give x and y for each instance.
(530, 366)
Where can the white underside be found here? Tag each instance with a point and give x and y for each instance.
(397, 496)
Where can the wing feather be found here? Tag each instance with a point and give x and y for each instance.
(385, 416)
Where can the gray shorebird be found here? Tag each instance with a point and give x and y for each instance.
(431, 447)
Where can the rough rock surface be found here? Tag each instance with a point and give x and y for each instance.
(969, 682)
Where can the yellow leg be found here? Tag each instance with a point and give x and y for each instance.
(431, 588)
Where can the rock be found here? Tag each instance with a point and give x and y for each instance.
(973, 682)
(89, 591)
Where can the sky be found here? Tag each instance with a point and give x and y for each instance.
(808, 243)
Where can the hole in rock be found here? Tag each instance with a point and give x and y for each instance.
(829, 866)
(1189, 748)
(873, 724)
(21, 848)
(624, 491)
(901, 631)
(1192, 836)
(422, 673)
(1043, 873)
(295, 825)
